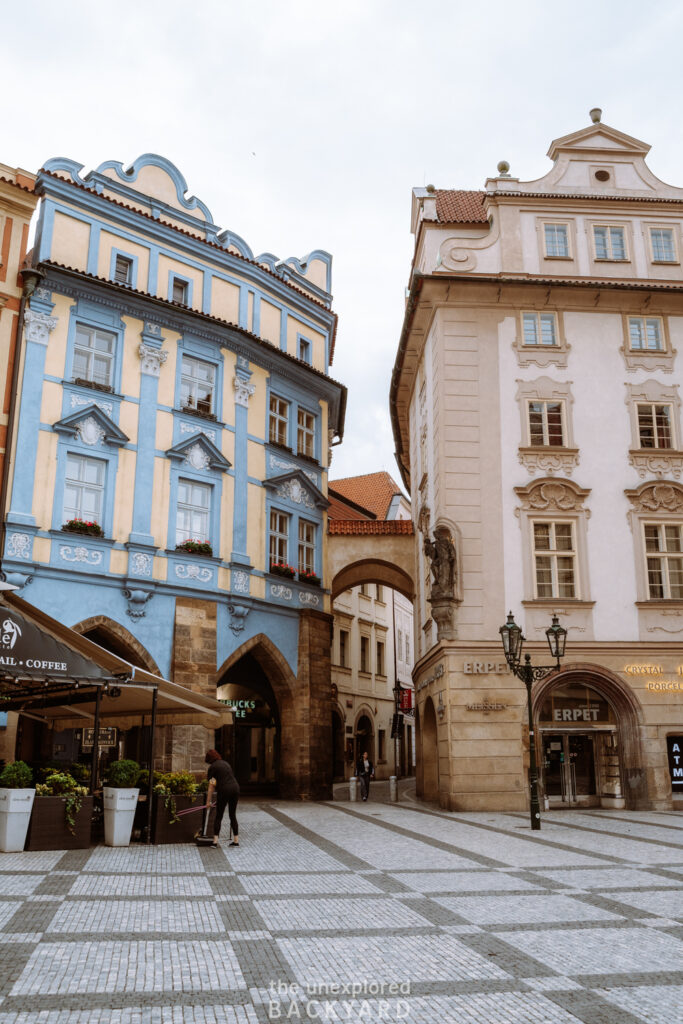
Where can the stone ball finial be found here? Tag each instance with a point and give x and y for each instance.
(430, 188)
(596, 115)
(503, 168)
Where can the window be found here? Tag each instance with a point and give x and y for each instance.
(399, 645)
(556, 240)
(123, 270)
(83, 488)
(539, 329)
(654, 425)
(179, 290)
(554, 559)
(379, 659)
(364, 654)
(380, 592)
(306, 546)
(663, 248)
(344, 648)
(664, 552)
(279, 537)
(364, 590)
(305, 434)
(197, 384)
(609, 241)
(645, 334)
(546, 424)
(304, 350)
(194, 511)
(381, 744)
(407, 649)
(278, 420)
(94, 356)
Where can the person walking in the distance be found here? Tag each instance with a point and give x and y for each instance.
(365, 770)
(223, 782)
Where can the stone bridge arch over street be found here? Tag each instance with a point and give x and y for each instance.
(371, 551)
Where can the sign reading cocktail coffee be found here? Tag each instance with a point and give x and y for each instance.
(25, 650)
(674, 748)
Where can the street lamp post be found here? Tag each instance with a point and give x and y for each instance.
(513, 639)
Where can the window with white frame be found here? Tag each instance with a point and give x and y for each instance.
(546, 424)
(279, 538)
(379, 658)
(539, 328)
(278, 420)
(123, 270)
(399, 645)
(94, 356)
(305, 433)
(306, 546)
(179, 290)
(554, 559)
(407, 649)
(344, 648)
(305, 350)
(84, 488)
(645, 334)
(609, 241)
(664, 554)
(365, 654)
(654, 425)
(663, 246)
(193, 514)
(556, 240)
(197, 385)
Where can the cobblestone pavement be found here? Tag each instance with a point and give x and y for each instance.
(351, 912)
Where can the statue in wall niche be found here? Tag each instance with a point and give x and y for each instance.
(441, 553)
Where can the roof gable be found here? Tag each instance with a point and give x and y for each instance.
(599, 138)
(91, 426)
(199, 453)
(296, 487)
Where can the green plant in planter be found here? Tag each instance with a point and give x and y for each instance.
(195, 547)
(172, 784)
(16, 775)
(86, 527)
(122, 774)
(282, 569)
(63, 784)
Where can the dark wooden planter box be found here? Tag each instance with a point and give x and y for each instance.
(181, 831)
(48, 829)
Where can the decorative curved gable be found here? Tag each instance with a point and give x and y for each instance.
(552, 495)
(199, 453)
(297, 488)
(657, 497)
(91, 426)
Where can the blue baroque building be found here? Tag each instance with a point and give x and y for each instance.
(168, 460)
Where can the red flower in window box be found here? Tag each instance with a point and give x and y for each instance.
(83, 526)
(195, 547)
(282, 569)
(310, 577)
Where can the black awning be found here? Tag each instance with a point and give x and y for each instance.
(27, 653)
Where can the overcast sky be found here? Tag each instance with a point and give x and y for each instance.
(305, 124)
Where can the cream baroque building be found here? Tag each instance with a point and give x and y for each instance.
(536, 409)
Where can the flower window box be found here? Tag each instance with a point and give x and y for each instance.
(282, 569)
(84, 527)
(310, 578)
(195, 547)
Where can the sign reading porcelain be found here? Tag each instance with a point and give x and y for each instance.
(25, 650)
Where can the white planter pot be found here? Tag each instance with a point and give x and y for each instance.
(119, 812)
(15, 814)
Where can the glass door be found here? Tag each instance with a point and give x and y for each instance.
(569, 769)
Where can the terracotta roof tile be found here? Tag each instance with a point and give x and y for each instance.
(373, 491)
(340, 509)
(458, 206)
(356, 527)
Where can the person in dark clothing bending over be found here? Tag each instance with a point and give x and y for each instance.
(222, 780)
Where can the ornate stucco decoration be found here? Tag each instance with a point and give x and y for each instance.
(78, 402)
(293, 490)
(656, 462)
(243, 391)
(80, 554)
(89, 431)
(137, 599)
(37, 326)
(657, 498)
(19, 546)
(140, 564)
(197, 458)
(240, 581)
(549, 460)
(458, 253)
(295, 487)
(152, 359)
(552, 496)
(238, 615)
(277, 590)
(423, 520)
(194, 428)
(200, 573)
(311, 599)
(275, 463)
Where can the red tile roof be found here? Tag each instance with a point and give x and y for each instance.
(346, 527)
(373, 491)
(457, 206)
(341, 508)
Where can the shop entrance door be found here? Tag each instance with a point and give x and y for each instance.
(569, 769)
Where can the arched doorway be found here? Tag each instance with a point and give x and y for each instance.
(252, 743)
(338, 746)
(114, 637)
(365, 737)
(588, 744)
(430, 753)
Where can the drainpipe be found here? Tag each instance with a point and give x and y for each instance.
(31, 277)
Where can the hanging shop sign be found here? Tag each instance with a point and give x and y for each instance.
(674, 748)
(406, 700)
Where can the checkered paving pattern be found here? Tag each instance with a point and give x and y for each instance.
(355, 912)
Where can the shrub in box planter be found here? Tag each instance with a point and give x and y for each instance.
(83, 526)
(282, 569)
(120, 797)
(16, 801)
(195, 547)
(173, 792)
(49, 829)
